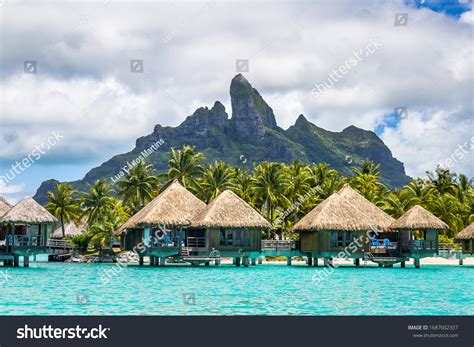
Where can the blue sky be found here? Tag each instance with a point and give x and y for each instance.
(85, 89)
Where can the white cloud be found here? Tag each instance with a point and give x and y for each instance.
(83, 54)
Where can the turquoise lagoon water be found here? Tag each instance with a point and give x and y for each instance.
(77, 289)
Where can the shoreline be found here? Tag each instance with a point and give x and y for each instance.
(131, 258)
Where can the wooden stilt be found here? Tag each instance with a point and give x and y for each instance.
(417, 263)
(326, 262)
(310, 261)
(162, 261)
(461, 261)
(218, 262)
(206, 263)
(16, 261)
(26, 261)
(260, 260)
(380, 265)
(237, 261)
(140, 260)
(315, 262)
(254, 261)
(246, 261)
(234, 261)
(402, 264)
(152, 261)
(357, 262)
(288, 261)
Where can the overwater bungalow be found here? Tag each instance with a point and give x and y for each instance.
(418, 233)
(25, 231)
(158, 229)
(232, 227)
(342, 226)
(466, 237)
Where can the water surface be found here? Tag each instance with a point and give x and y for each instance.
(269, 289)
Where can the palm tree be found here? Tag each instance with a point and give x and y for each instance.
(102, 231)
(184, 165)
(97, 201)
(268, 186)
(298, 183)
(63, 205)
(243, 185)
(366, 180)
(139, 186)
(398, 202)
(215, 179)
(442, 180)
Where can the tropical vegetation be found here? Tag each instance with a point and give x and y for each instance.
(283, 193)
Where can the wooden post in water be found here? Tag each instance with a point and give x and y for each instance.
(16, 260)
(152, 260)
(162, 261)
(234, 261)
(461, 261)
(380, 265)
(26, 261)
(315, 262)
(310, 261)
(218, 262)
(237, 261)
(402, 264)
(254, 261)
(246, 261)
(260, 260)
(417, 263)
(326, 262)
(288, 261)
(140, 260)
(356, 262)
(206, 263)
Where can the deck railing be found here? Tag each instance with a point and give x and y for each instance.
(449, 247)
(59, 243)
(423, 245)
(25, 240)
(196, 242)
(280, 245)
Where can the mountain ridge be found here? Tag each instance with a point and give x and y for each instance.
(252, 135)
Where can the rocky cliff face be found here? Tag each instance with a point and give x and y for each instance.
(251, 136)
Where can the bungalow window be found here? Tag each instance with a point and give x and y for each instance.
(333, 239)
(340, 239)
(348, 238)
(226, 238)
(238, 238)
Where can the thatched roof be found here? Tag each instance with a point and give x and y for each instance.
(344, 210)
(27, 211)
(5, 206)
(379, 217)
(467, 233)
(228, 210)
(71, 229)
(418, 218)
(175, 206)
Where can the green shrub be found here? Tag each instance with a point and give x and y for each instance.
(81, 242)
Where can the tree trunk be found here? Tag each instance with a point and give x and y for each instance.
(62, 226)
